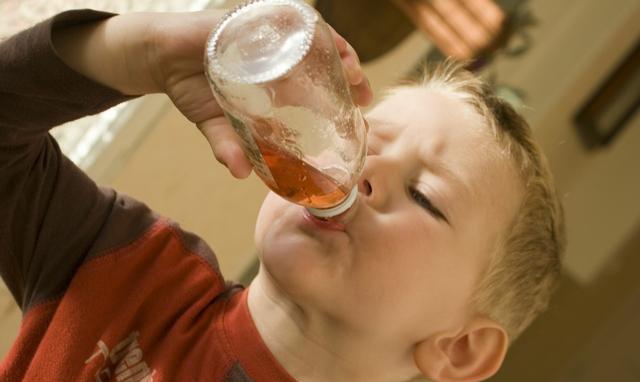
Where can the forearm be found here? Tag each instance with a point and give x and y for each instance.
(38, 90)
(42, 192)
(113, 52)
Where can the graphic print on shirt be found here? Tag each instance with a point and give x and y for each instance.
(124, 362)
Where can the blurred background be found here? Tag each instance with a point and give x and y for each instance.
(571, 67)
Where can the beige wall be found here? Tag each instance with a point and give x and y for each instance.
(589, 333)
(575, 46)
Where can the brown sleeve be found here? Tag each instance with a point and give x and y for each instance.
(50, 210)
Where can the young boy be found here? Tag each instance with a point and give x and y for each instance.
(452, 251)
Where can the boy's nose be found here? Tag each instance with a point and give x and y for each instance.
(373, 186)
(364, 187)
(372, 191)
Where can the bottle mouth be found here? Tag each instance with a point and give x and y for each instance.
(325, 213)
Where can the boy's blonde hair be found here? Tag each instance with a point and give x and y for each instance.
(525, 268)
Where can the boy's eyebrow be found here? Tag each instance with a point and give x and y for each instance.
(435, 166)
(440, 168)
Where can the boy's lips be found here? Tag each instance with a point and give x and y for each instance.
(323, 224)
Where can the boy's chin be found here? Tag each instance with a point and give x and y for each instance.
(297, 267)
(285, 259)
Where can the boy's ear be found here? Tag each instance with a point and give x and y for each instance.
(474, 354)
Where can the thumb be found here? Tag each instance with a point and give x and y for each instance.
(226, 146)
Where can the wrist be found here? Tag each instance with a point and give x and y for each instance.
(175, 46)
(110, 52)
(132, 35)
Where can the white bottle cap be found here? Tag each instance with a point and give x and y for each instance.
(337, 210)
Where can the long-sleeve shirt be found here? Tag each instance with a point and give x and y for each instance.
(109, 290)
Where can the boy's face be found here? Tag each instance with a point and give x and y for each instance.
(404, 267)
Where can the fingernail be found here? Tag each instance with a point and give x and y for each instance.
(355, 76)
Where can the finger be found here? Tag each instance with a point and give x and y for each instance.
(360, 88)
(237, 161)
(341, 43)
(226, 146)
(349, 58)
(352, 67)
(363, 95)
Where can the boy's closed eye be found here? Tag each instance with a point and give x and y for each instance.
(420, 198)
(425, 203)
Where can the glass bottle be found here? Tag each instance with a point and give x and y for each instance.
(275, 70)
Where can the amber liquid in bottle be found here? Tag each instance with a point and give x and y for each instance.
(299, 181)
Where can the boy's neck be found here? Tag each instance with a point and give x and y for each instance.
(313, 347)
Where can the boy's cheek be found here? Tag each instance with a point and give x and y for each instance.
(272, 209)
(264, 215)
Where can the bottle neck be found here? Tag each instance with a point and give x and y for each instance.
(327, 213)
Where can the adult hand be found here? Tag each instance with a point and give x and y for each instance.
(177, 57)
(139, 53)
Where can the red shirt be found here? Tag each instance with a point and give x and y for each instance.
(110, 291)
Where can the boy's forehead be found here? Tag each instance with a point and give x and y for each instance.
(432, 112)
